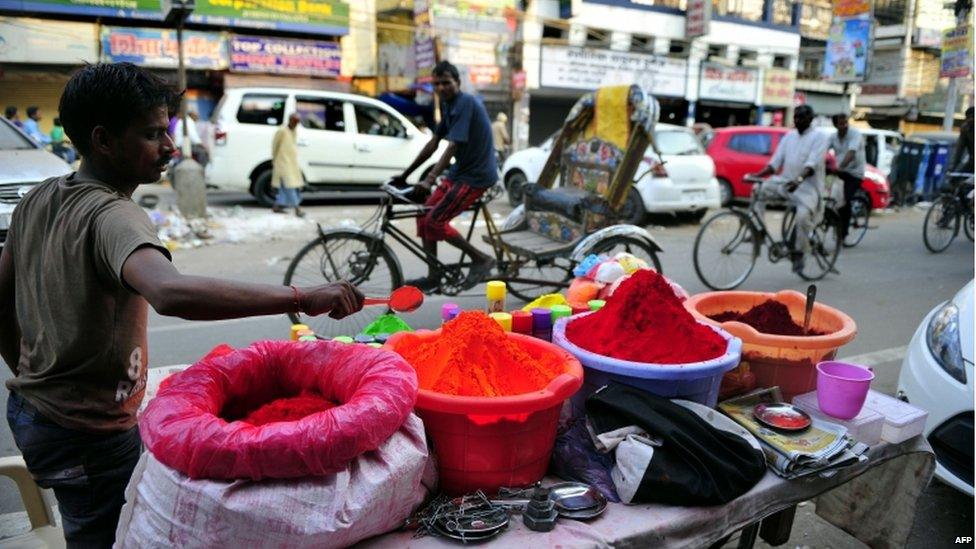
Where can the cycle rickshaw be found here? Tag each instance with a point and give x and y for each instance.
(595, 158)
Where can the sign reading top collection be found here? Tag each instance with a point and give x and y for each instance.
(284, 56)
(589, 69)
(328, 17)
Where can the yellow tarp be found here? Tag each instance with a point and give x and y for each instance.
(612, 122)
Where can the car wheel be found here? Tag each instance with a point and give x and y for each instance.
(725, 193)
(515, 185)
(633, 212)
(263, 191)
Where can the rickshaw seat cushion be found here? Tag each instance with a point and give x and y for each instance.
(568, 202)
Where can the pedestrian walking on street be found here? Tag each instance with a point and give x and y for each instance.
(81, 264)
(465, 126)
(848, 145)
(33, 129)
(499, 135)
(197, 148)
(10, 113)
(286, 175)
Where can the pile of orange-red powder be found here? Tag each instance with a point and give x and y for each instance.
(473, 357)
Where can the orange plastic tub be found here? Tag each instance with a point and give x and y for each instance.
(785, 361)
(483, 443)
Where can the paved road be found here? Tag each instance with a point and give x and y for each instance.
(887, 284)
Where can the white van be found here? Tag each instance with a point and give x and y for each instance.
(345, 141)
(881, 147)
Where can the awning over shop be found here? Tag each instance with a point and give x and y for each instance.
(826, 103)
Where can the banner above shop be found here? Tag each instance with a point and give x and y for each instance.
(157, 48)
(698, 18)
(957, 47)
(589, 69)
(722, 83)
(778, 87)
(284, 56)
(329, 17)
(848, 46)
(39, 41)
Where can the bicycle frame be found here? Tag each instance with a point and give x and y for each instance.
(388, 213)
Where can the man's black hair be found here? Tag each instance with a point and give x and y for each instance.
(10, 111)
(804, 108)
(444, 68)
(31, 111)
(969, 112)
(56, 121)
(839, 116)
(111, 95)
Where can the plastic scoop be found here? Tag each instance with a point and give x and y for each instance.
(404, 299)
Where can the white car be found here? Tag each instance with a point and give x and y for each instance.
(23, 164)
(684, 183)
(345, 141)
(937, 376)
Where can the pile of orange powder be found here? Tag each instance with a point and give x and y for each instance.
(474, 357)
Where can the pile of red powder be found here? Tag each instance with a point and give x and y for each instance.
(643, 321)
(769, 317)
(288, 409)
(473, 357)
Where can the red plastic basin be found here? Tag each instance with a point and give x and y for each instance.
(483, 443)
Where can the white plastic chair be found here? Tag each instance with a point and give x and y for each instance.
(45, 532)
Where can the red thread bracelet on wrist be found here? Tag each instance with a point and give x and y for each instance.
(297, 297)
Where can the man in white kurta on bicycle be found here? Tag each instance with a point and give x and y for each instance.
(799, 165)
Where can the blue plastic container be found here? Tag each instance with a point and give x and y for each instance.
(696, 381)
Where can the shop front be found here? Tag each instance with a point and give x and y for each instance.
(36, 60)
(727, 96)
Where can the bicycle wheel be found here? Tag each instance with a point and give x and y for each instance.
(726, 250)
(967, 226)
(550, 276)
(366, 262)
(941, 224)
(860, 215)
(825, 245)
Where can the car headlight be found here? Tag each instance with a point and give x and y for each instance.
(942, 337)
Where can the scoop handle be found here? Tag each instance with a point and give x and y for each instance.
(811, 297)
(375, 301)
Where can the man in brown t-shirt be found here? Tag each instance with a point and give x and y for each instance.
(81, 265)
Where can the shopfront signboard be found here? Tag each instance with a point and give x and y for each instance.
(424, 51)
(957, 48)
(722, 83)
(589, 69)
(24, 40)
(330, 17)
(778, 87)
(157, 48)
(848, 48)
(284, 56)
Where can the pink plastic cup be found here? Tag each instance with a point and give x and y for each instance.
(842, 388)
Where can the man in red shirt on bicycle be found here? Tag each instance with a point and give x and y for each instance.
(467, 129)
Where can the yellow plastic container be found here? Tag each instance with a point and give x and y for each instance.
(788, 362)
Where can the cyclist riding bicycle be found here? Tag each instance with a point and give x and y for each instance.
(465, 125)
(799, 159)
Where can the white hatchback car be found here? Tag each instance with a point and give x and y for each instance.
(937, 376)
(683, 184)
(23, 164)
(345, 141)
